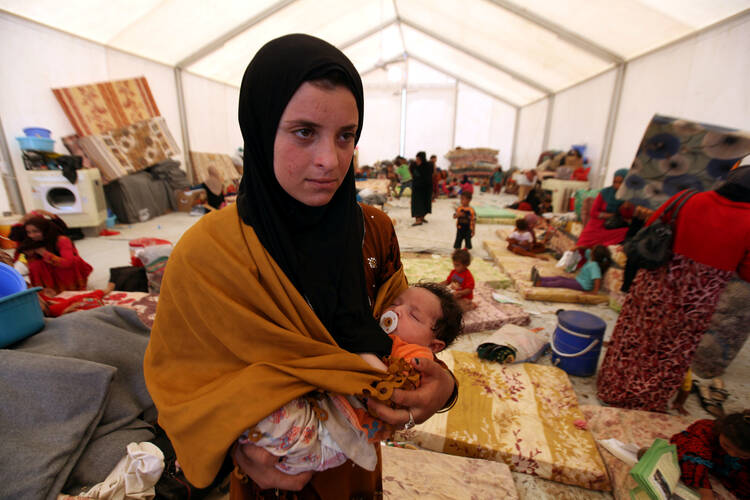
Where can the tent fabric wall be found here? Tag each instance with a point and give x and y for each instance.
(211, 110)
(429, 122)
(530, 138)
(484, 122)
(703, 79)
(580, 116)
(381, 130)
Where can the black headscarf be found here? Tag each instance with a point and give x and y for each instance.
(737, 186)
(319, 248)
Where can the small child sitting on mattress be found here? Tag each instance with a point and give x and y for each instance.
(320, 431)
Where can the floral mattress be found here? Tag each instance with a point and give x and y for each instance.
(142, 303)
(641, 428)
(522, 415)
(519, 267)
(427, 475)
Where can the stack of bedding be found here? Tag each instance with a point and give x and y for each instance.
(474, 162)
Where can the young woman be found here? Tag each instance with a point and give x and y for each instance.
(271, 298)
(52, 258)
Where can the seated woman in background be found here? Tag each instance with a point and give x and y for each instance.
(52, 258)
(214, 186)
(605, 206)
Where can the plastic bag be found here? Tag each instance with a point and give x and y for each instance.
(569, 261)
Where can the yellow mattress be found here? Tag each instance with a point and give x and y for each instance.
(519, 267)
(522, 415)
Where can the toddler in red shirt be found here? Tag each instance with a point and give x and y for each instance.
(460, 280)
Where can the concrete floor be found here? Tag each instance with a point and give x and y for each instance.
(437, 237)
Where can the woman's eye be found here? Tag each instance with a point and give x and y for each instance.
(347, 136)
(304, 133)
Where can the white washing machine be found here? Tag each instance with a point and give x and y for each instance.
(80, 205)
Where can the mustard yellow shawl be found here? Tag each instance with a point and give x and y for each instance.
(233, 340)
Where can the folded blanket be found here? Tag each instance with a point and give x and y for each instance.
(73, 397)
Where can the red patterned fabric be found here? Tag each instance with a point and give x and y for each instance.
(657, 332)
(700, 452)
(595, 233)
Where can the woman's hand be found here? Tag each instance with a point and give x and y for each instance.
(421, 403)
(259, 465)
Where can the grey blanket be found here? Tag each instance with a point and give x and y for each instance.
(71, 398)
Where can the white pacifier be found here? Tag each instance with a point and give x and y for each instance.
(389, 321)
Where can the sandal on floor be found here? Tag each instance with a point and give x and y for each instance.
(707, 402)
(534, 274)
(717, 391)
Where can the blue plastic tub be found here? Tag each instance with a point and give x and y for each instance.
(21, 316)
(11, 281)
(36, 143)
(577, 342)
(37, 132)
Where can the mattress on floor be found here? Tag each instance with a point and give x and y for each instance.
(377, 185)
(427, 475)
(490, 314)
(522, 415)
(641, 428)
(433, 267)
(496, 215)
(519, 269)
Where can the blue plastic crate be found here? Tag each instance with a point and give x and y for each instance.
(36, 143)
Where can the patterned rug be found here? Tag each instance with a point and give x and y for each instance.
(100, 107)
(201, 162)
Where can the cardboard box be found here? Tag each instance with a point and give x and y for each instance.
(186, 200)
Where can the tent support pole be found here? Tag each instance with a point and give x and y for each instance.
(9, 178)
(515, 138)
(183, 123)
(609, 131)
(455, 113)
(548, 122)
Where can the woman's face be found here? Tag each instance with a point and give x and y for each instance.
(617, 182)
(315, 142)
(34, 233)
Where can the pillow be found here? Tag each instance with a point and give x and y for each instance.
(513, 344)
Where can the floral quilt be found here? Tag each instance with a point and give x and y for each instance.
(522, 415)
(641, 428)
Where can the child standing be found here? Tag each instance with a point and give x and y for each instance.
(319, 431)
(461, 281)
(465, 220)
(588, 279)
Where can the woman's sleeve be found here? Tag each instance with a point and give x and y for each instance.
(744, 268)
(661, 209)
(67, 254)
(598, 207)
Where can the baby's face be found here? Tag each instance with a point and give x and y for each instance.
(417, 310)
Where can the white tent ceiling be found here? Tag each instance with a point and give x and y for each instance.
(515, 50)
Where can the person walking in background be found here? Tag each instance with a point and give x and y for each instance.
(421, 189)
(465, 220)
(436, 173)
(404, 175)
(668, 309)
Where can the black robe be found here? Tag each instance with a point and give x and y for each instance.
(421, 188)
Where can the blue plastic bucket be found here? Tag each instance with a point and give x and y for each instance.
(577, 342)
(21, 316)
(11, 281)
